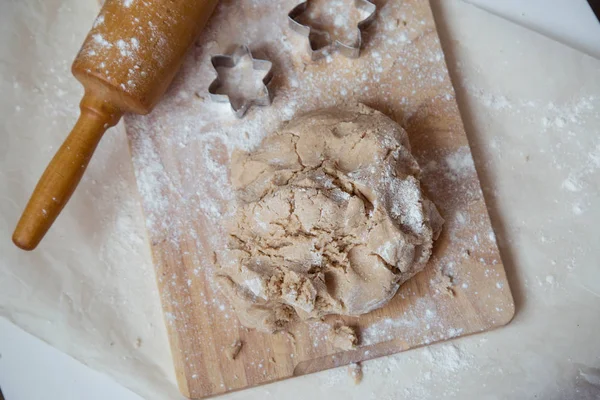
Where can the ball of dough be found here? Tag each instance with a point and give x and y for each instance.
(331, 219)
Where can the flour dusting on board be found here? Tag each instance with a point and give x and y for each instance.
(421, 318)
(181, 155)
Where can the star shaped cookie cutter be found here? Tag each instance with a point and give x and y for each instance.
(351, 51)
(230, 61)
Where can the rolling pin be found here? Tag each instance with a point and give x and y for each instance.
(125, 64)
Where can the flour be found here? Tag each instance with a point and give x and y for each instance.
(151, 176)
(104, 50)
(571, 184)
(123, 48)
(447, 357)
(99, 21)
(419, 318)
(99, 39)
(414, 374)
(564, 124)
(423, 318)
(460, 163)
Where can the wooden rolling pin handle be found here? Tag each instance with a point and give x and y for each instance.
(64, 172)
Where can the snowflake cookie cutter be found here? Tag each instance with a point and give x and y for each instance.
(230, 60)
(348, 50)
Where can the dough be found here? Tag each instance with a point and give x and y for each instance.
(342, 337)
(233, 350)
(355, 372)
(331, 220)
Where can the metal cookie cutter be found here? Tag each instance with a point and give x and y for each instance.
(352, 51)
(231, 60)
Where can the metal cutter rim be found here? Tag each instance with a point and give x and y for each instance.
(350, 51)
(231, 60)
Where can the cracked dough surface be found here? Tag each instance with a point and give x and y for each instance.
(331, 220)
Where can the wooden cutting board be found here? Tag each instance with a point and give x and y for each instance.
(181, 151)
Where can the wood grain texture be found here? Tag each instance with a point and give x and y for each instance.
(177, 149)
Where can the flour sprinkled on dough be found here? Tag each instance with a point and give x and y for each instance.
(331, 220)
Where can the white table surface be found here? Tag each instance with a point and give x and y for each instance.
(31, 369)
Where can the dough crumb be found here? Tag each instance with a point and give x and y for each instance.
(443, 284)
(343, 337)
(291, 337)
(233, 350)
(355, 372)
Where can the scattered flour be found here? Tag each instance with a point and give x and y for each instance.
(447, 357)
(99, 39)
(460, 163)
(99, 21)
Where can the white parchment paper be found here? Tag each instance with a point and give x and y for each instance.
(530, 107)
